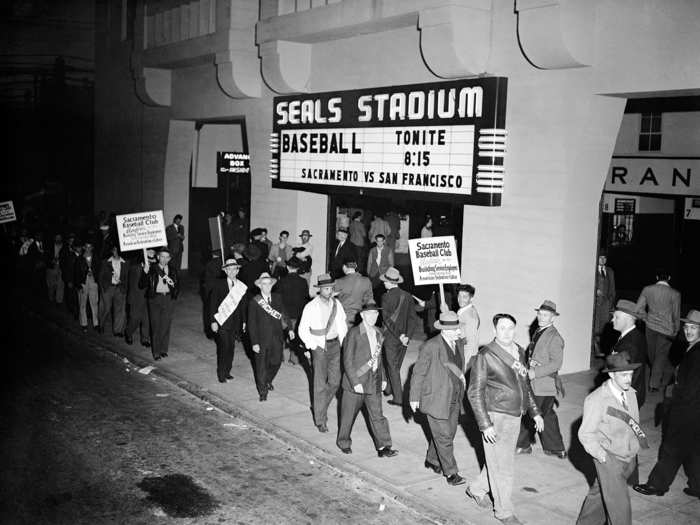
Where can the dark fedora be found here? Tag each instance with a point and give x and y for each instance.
(305, 232)
(324, 280)
(629, 307)
(448, 321)
(619, 362)
(163, 249)
(293, 262)
(370, 306)
(548, 306)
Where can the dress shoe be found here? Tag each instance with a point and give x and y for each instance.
(146, 344)
(322, 427)
(387, 452)
(164, 354)
(561, 454)
(482, 501)
(157, 357)
(346, 450)
(435, 468)
(263, 396)
(229, 376)
(649, 490)
(523, 450)
(270, 387)
(128, 339)
(222, 380)
(395, 403)
(455, 479)
(691, 492)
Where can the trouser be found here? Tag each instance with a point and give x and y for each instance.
(441, 439)
(113, 303)
(497, 473)
(350, 405)
(225, 345)
(658, 347)
(679, 446)
(326, 363)
(89, 292)
(394, 353)
(608, 500)
(70, 297)
(291, 351)
(267, 364)
(160, 311)
(138, 318)
(551, 435)
(54, 284)
(177, 259)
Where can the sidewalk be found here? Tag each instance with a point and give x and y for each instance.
(546, 490)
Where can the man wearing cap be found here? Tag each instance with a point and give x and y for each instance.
(323, 328)
(682, 426)
(353, 290)
(604, 300)
(343, 250)
(227, 313)
(545, 356)
(611, 434)
(295, 294)
(499, 394)
(162, 285)
(400, 325)
(660, 307)
(632, 341)
(437, 390)
(363, 382)
(267, 324)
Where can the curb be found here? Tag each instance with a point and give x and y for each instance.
(422, 509)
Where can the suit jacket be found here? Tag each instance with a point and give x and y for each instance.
(357, 353)
(235, 321)
(263, 329)
(353, 291)
(105, 278)
(81, 270)
(686, 391)
(295, 294)
(340, 255)
(431, 383)
(407, 322)
(212, 274)
(175, 236)
(387, 259)
(604, 297)
(635, 344)
(134, 294)
(547, 357)
(662, 306)
(149, 281)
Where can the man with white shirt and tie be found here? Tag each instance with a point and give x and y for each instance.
(604, 300)
(344, 250)
(363, 383)
(611, 434)
(633, 342)
(227, 310)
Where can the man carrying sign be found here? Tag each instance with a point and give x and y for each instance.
(610, 432)
(227, 316)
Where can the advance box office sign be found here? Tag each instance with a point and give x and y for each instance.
(442, 138)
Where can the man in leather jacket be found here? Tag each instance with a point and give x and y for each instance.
(162, 285)
(500, 393)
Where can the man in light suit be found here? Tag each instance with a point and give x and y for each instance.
(363, 383)
(660, 306)
(545, 354)
(353, 290)
(437, 390)
(631, 340)
(175, 234)
(604, 300)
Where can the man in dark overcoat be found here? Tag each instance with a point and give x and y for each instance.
(633, 341)
(604, 300)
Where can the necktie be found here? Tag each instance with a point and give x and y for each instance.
(337, 250)
(624, 401)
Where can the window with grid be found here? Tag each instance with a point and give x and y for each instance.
(650, 132)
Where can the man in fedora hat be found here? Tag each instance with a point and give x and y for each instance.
(682, 425)
(660, 307)
(362, 383)
(353, 290)
(343, 250)
(437, 390)
(611, 434)
(304, 252)
(227, 313)
(267, 325)
(295, 294)
(400, 325)
(545, 356)
(632, 341)
(162, 284)
(499, 394)
(323, 328)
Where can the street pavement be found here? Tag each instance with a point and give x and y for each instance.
(547, 490)
(87, 439)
